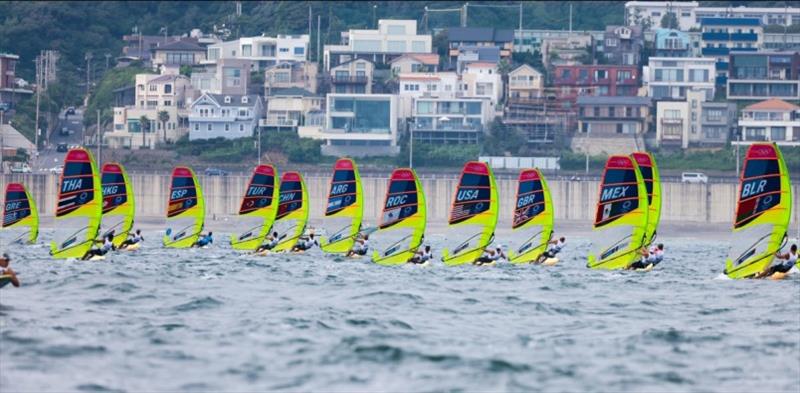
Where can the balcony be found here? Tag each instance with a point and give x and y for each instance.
(672, 121)
(354, 79)
(750, 37)
(272, 121)
(716, 37)
(715, 51)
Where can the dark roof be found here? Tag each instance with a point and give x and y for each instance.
(479, 34)
(236, 99)
(291, 92)
(730, 22)
(124, 88)
(612, 100)
(485, 53)
(180, 45)
(354, 60)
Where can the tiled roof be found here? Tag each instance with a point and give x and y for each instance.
(424, 58)
(236, 99)
(180, 45)
(773, 104)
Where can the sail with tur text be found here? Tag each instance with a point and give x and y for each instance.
(258, 209)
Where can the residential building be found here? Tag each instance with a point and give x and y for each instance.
(262, 51)
(10, 92)
(125, 96)
(483, 80)
(781, 41)
(473, 54)
(224, 116)
(227, 77)
(412, 86)
(786, 16)
(672, 77)
(720, 36)
(622, 45)
(175, 54)
(352, 77)
(290, 108)
(392, 39)
(771, 120)
(544, 121)
(525, 82)
(611, 125)
(575, 49)
(689, 14)
(458, 37)
(672, 43)
(530, 40)
(694, 122)
(569, 82)
(295, 74)
(169, 93)
(761, 75)
(450, 120)
(140, 46)
(415, 62)
(13, 140)
(358, 125)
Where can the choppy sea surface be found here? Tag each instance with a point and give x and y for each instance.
(213, 320)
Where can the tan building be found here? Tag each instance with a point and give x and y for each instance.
(525, 82)
(352, 77)
(571, 50)
(299, 75)
(694, 122)
(154, 93)
(291, 107)
(173, 55)
(415, 62)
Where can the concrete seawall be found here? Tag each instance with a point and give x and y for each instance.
(574, 201)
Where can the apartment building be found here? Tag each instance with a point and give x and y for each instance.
(622, 45)
(352, 77)
(226, 76)
(10, 93)
(175, 54)
(611, 125)
(525, 82)
(292, 74)
(672, 43)
(575, 49)
(761, 75)
(530, 40)
(415, 62)
(772, 120)
(569, 82)
(689, 13)
(442, 120)
(392, 39)
(720, 36)
(291, 108)
(694, 122)
(224, 116)
(458, 37)
(672, 77)
(262, 51)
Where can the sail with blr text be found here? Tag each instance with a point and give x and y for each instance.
(20, 214)
(533, 217)
(79, 206)
(473, 214)
(185, 209)
(118, 202)
(652, 183)
(345, 208)
(403, 219)
(258, 208)
(292, 217)
(620, 223)
(763, 211)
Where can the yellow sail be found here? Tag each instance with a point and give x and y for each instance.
(292, 211)
(763, 211)
(652, 182)
(19, 211)
(402, 224)
(258, 209)
(473, 215)
(118, 202)
(186, 210)
(345, 208)
(621, 219)
(79, 206)
(533, 217)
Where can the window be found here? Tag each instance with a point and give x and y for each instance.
(565, 74)
(361, 73)
(396, 46)
(152, 104)
(227, 99)
(672, 114)
(714, 114)
(208, 127)
(698, 75)
(396, 29)
(419, 46)
(141, 87)
(361, 65)
(611, 42)
(243, 113)
(283, 50)
(597, 111)
(247, 50)
(424, 107)
(241, 127)
(299, 51)
(167, 102)
(342, 74)
(196, 127)
(168, 89)
(213, 53)
(623, 75)
(583, 75)
(227, 127)
(245, 99)
(341, 89)
(628, 111)
(153, 87)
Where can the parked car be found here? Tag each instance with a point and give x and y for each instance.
(64, 131)
(71, 110)
(694, 177)
(61, 148)
(20, 167)
(215, 172)
(57, 169)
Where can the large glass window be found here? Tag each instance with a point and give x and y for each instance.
(247, 50)
(343, 104)
(396, 46)
(367, 45)
(418, 46)
(424, 107)
(473, 108)
(396, 29)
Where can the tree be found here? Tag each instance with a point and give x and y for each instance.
(669, 21)
(163, 117)
(144, 125)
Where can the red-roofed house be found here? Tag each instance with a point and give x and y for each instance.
(771, 120)
(415, 62)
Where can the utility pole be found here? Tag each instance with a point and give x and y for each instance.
(319, 23)
(88, 71)
(374, 13)
(570, 19)
(38, 99)
(108, 56)
(465, 15)
(520, 22)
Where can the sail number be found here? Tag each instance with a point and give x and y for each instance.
(466, 195)
(614, 193)
(178, 194)
(753, 188)
(13, 205)
(287, 197)
(71, 185)
(340, 188)
(396, 200)
(256, 190)
(110, 190)
(526, 200)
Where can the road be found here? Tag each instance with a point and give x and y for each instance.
(48, 156)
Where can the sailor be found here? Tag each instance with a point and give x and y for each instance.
(107, 246)
(491, 255)
(789, 260)
(7, 271)
(306, 243)
(652, 256)
(272, 241)
(204, 240)
(132, 239)
(553, 248)
(422, 256)
(361, 247)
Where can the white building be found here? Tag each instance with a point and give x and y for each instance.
(689, 13)
(672, 77)
(358, 125)
(261, 50)
(392, 39)
(227, 76)
(771, 120)
(224, 116)
(290, 107)
(694, 122)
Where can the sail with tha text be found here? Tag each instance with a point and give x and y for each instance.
(79, 208)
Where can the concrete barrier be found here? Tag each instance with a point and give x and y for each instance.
(574, 200)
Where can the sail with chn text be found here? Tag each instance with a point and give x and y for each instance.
(292, 217)
(763, 211)
(473, 214)
(185, 209)
(79, 207)
(652, 182)
(403, 219)
(620, 223)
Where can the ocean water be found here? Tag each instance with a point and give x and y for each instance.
(212, 320)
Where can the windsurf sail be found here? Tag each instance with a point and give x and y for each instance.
(763, 210)
(186, 209)
(345, 208)
(258, 209)
(79, 208)
(19, 212)
(118, 203)
(402, 223)
(621, 220)
(652, 183)
(292, 217)
(473, 214)
(533, 217)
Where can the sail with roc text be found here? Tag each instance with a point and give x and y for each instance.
(403, 219)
